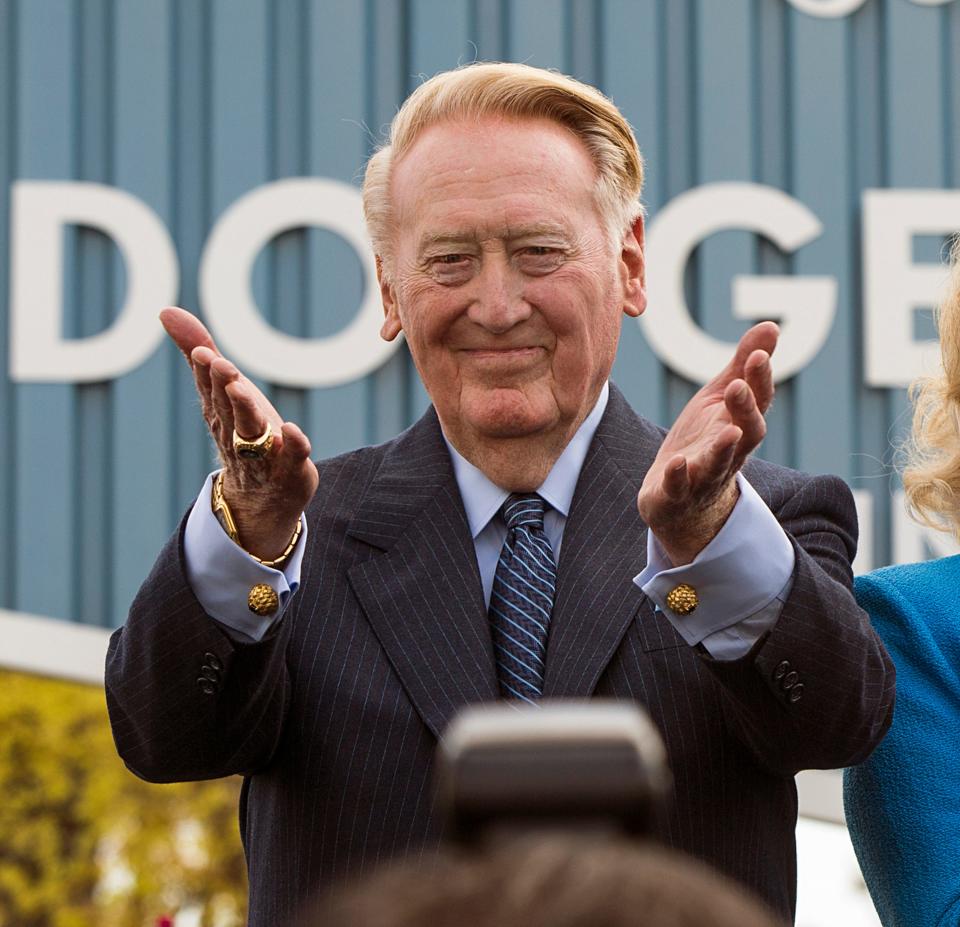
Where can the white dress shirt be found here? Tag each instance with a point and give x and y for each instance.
(742, 576)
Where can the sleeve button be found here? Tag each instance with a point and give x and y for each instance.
(209, 673)
(796, 693)
(781, 670)
(206, 686)
(790, 680)
(211, 659)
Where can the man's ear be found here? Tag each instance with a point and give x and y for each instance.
(391, 317)
(633, 267)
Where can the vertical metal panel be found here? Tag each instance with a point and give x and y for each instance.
(45, 427)
(870, 468)
(631, 73)
(488, 28)
(144, 423)
(189, 106)
(8, 166)
(94, 311)
(338, 141)
(536, 33)
(678, 153)
(916, 130)
(820, 110)
(287, 110)
(951, 85)
(439, 36)
(724, 148)
(188, 145)
(771, 158)
(390, 81)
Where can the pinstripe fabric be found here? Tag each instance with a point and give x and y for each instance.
(333, 718)
(522, 599)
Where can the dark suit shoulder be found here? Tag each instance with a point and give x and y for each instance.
(777, 483)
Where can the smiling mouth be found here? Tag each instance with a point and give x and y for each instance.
(519, 353)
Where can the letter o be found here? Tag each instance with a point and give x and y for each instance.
(228, 304)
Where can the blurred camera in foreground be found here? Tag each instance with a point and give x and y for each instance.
(589, 767)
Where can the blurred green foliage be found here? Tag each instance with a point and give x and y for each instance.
(84, 843)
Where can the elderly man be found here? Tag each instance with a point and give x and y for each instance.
(529, 537)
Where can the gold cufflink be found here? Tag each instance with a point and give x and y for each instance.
(263, 600)
(682, 599)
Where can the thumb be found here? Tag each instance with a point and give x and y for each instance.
(762, 337)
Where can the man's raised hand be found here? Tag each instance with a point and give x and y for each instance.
(690, 490)
(265, 495)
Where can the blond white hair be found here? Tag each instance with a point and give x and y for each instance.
(932, 474)
(515, 91)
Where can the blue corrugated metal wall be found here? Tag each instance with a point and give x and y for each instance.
(188, 105)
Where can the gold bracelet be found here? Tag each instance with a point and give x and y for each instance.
(225, 517)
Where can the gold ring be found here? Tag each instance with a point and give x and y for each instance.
(256, 449)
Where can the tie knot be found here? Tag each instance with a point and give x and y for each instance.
(524, 510)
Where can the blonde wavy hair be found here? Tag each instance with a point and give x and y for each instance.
(515, 91)
(931, 477)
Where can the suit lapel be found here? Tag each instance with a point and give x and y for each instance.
(604, 547)
(422, 593)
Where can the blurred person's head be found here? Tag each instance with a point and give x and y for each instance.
(544, 881)
(931, 476)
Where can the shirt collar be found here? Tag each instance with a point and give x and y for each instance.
(482, 498)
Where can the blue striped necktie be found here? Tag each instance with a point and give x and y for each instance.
(522, 599)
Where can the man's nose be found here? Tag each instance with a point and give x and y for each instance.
(499, 302)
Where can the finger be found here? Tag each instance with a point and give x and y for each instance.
(761, 337)
(186, 330)
(715, 462)
(295, 442)
(200, 359)
(758, 372)
(676, 478)
(222, 372)
(745, 414)
(723, 449)
(249, 418)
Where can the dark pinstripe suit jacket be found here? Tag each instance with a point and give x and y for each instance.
(334, 718)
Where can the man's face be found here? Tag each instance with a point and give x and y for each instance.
(504, 279)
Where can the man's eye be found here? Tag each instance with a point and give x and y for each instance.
(451, 268)
(540, 259)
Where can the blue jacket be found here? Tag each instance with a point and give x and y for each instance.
(903, 803)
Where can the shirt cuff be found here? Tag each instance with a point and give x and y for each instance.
(741, 576)
(222, 574)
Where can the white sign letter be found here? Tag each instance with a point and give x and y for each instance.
(38, 350)
(894, 286)
(827, 9)
(804, 306)
(228, 302)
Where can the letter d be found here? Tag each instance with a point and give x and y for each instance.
(38, 350)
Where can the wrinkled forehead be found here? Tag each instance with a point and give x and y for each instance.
(493, 173)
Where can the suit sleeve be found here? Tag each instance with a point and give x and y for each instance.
(903, 803)
(816, 691)
(186, 699)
